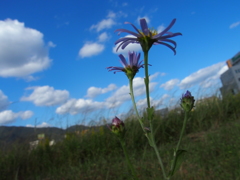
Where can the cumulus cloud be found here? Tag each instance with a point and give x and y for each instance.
(90, 49)
(3, 101)
(8, 116)
(103, 37)
(208, 74)
(170, 84)
(105, 23)
(22, 50)
(75, 106)
(122, 93)
(46, 96)
(233, 25)
(94, 91)
(25, 114)
(43, 125)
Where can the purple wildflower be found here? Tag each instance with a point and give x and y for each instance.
(130, 68)
(117, 126)
(147, 37)
(187, 101)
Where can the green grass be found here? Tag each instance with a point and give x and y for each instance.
(212, 140)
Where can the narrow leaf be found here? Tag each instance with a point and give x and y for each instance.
(177, 163)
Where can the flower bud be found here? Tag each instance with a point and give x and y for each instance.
(117, 126)
(187, 101)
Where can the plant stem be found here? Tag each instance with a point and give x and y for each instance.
(156, 151)
(134, 103)
(180, 139)
(146, 77)
(134, 175)
(152, 138)
(183, 130)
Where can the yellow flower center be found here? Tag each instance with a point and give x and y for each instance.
(152, 30)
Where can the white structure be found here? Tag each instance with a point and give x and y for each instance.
(231, 78)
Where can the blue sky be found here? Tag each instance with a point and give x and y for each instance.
(54, 54)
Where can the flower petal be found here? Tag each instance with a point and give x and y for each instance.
(165, 30)
(133, 27)
(127, 31)
(169, 46)
(123, 61)
(144, 26)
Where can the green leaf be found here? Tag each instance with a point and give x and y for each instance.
(177, 161)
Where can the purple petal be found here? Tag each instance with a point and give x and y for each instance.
(123, 60)
(133, 27)
(130, 58)
(144, 26)
(125, 39)
(127, 31)
(165, 30)
(126, 43)
(169, 40)
(165, 44)
(173, 35)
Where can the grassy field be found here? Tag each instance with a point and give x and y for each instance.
(212, 140)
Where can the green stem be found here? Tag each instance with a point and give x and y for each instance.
(152, 138)
(183, 130)
(134, 103)
(157, 152)
(134, 175)
(180, 139)
(146, 77)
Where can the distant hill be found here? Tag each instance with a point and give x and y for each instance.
(10, 135)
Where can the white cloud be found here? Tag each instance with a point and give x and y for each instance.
(90, 49)
(162, 74)
(111, 15)
(43, 125)
(75, 106)
(160, 28)
(130, 47)
(25, 114)
(170, 84)
(103, 37)
(46, 96)
(8, 116)
(122, 94)
(22, 50)
(104, 24)
(233, 25)
(3, 101)
(51, 44)
(208, 74)
(94, 91)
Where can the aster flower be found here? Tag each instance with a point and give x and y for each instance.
(147, 37)
(130, 68)
(187, 101)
